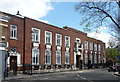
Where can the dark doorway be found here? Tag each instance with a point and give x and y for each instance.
(78, 60)
(13, 62)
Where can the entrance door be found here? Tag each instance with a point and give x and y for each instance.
(78, 60)
(13, 62)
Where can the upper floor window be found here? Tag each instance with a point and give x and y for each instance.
(35, 56)
(103, 48)
(13, 31)
(35, 35)
(67, 41)
(58, 39)
(99, 47)
(91, 46)
(48, 37)
(95, 47)
(86, 44)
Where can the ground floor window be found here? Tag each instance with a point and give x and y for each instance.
(91, 57)
(99, 58)
(86, 58)
(58, 57)
(48, 56)
(67, 57)
(35, 56)
(95, 58)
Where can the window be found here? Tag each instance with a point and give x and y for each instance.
(91, 46)
(91, 57)
(99, 58)
(35, 56)
(86, 58)
(95, 58)
(67, 57)
(58, 39)
(103, 48)
(95, 47)
(58, 57)
(86, 45)
(13, 31)
(48, 37)
(35, 35)
(47, 56)
(99, 47)
(67, 41)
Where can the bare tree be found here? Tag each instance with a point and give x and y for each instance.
(96, 14)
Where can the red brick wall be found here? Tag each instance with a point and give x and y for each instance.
(29, 23)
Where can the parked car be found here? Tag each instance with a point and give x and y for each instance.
(112, 68)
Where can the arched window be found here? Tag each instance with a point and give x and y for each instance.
(67, 57)
(86, 58)
(35, 56)
(47, 56)
(91, 57)
(99, 58)
(58, 57)
(95, 58)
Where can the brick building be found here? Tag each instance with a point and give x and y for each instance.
(45, 46)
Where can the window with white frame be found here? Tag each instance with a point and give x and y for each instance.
(86, 58)
(99, 58)
(58, 39)
(99, 47)
(48, 37)
(67, 57)
(13, 31)
(103, 48)
(95, 47)
(86, 45)
(91, 57)
(67, 41)
(91, 46)
(95, 58)
(48, 56)
(35, 35)
(58, 57)
(35, 56)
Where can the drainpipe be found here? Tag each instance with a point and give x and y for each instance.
(24, 48)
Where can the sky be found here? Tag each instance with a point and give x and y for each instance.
(53, 12)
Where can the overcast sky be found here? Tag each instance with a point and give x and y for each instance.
(55, 13)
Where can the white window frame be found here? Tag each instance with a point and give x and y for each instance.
(67, 55)
(60, 40)
(50, 54)
(56, 57)
(99, 48)
(36, 55)
(86, 45)
(35, 35)
(68, 40)
(95, 58)
(91, 57)
(99, 58)
(95, 47)
(86, 58)
(50, 37)
(11, 29)
(91, 45)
